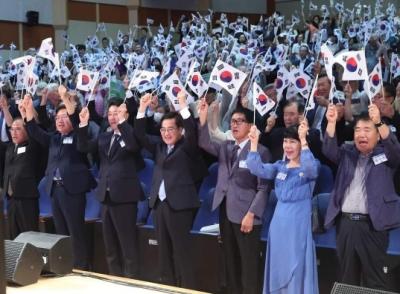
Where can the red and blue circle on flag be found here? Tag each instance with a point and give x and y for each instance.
(195, 80)
(278, 83)
(175, 91)
(351, 64)
(262, 99)
(375, 80)
(85, 80)
(226, 76)
(301, 83)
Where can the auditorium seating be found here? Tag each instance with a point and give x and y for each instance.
(327, 239)
(146, 175)
(325, 180)
(44, 200)
(210, 181)
(93, 207)
(268, 213)
(206, 217)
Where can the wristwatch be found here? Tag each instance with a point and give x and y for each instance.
(379, 124)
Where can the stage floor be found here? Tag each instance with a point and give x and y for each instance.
(91, 283)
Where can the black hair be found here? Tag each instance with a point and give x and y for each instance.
(173, 115)
(248, 114)
(291, 133)
(389, 89)
(114, 102)
(363, 116)
(60, 107)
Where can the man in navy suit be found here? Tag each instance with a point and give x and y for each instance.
(363, 203)
(173, 195)
(68, 177)
(119, 187)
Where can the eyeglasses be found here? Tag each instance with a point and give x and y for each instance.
(167, 130)
(237, 121)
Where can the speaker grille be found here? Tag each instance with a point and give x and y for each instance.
(348, 289)
(13, 251)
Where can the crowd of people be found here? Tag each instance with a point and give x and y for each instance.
(85, 121)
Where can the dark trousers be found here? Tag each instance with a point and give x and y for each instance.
(22, 215)
(120, 238)
(173, 236)
(362, 254)
(241, 255)
(69, 219)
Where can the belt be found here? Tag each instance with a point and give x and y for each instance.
(58, 182)
(356, 216)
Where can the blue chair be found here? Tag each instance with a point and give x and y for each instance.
(143, 211)
(44, 200)
(327, 239)
(204, 216)
(146, 175)
(150, 220)
(268, 213)
(394, 242)
(210, 181)
(325, 180)
(93, 207)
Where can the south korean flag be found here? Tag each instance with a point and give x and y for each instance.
(354, 64)
(87, 80)
(195, 80)
(227, 77)
(171, 87)
(375, 81)
(301, 82)
(262, 103)
(143, 80)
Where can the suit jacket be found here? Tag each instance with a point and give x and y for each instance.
(63, 154)
(118, 170)
(243, 191)
(175, 169)
(383, 202)
(21, 169)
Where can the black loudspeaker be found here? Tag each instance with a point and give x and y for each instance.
(23, 264)
(32, 18)
(348, 289)
(56, 250)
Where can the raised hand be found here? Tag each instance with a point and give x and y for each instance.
(348, 91)
(254, 135)
(122, 112)
(202, 108)
(145, 101)
(374, 113)
(331, 114)
(271, 121)
(3, 103)
(62, 91)
(84, 116)
(182, 99)
(303, 129)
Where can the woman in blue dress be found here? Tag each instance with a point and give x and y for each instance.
(290, 265)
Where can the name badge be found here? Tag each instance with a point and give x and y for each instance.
(68, 140)
(21, 150)
(281, 176)
(378, 159)
(242, 164)
(392, 128)
(122, 143)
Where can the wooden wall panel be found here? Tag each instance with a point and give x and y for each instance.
(9, 34)
(159, 16)
(81, 11)
(114, 14)
(33, 36)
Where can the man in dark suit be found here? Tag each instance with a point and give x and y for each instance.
(67, 175)
(363, 203)
(21, 178)
(242, 198)
(272, 137)
(173, 195)
(118, 189)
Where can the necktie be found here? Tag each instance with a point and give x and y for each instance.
(234, 155)
(161, 192)
(113, 144)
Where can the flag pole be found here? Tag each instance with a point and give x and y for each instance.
(309, 96)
